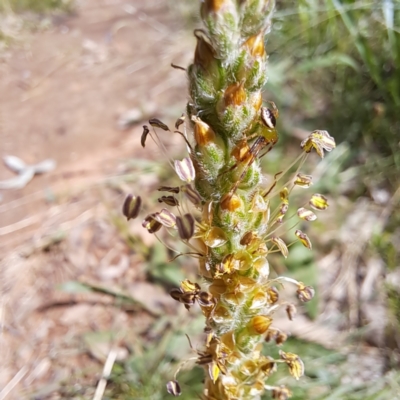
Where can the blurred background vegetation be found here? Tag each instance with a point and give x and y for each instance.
(38, 6)
(333, 65)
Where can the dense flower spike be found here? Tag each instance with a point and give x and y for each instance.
(223, 210)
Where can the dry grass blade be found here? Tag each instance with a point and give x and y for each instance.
(14, 382)
(101, 386)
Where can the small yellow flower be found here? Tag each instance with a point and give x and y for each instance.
(281, 393)
(203, 133)
(281, 246)
(305, 293)
(320, 141)
(305, 214)
(296, 366)
(318, 202)
(303, 239)
(304, 181)
(260, 324)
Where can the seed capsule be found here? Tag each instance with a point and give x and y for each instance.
(215, 237)
(217, 288)
(174, 388)
(234, 298)
(245, 284)
(249, 368)
(228, 340)
(203, 133)
(256, 45)
(262, 266)
(230, 202)
(204, 54)
(131, 206)
(258, 301)
(260, 324)
(222, 315)
(214, 5)
(235, 95)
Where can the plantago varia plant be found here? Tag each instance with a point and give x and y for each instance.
(229, 216)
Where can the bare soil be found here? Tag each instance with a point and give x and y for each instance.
(65, 91)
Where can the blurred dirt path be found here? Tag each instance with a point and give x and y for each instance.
(63, 92)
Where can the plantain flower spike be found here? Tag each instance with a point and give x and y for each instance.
(224, 214)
